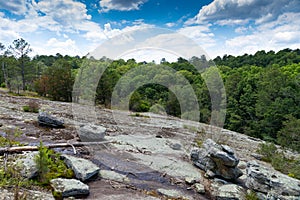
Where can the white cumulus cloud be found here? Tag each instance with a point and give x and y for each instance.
(122, 5)
(15, 6)
(257, 10)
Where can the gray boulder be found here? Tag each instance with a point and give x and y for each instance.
(28, 167)
(83, 169)
(94, 133)
(45, 119)
(216, 160)
(271, 182)
(69, 187)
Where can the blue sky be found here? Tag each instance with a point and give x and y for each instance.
(77, 27)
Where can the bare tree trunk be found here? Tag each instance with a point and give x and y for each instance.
(23, 73)
(5, 76)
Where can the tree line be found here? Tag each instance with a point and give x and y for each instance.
(262, 90)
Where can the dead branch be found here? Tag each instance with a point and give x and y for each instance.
(50, 146)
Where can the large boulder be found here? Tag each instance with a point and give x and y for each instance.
(271, 182)
(69, 187)
(216, 160)
(83, 169)
(45, 119)
(91, 133)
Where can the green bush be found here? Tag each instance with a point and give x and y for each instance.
(288, 136)
(158, 109)
(267, 150)
(251, 196)
(50, 166)
(31, 107)
(279, 161)
(10, 137)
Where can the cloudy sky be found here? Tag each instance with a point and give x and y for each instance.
(77, 27)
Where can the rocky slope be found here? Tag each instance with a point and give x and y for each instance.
(149, 155)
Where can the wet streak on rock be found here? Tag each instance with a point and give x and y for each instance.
(141, 177)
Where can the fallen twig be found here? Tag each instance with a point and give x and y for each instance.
(50, 146)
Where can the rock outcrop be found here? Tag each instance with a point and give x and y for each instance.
(45, 119)
(91, 133)
(271, 183)
(69, 187)
(216, 160)
(83, 169)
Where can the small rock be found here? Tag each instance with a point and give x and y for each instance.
(27, 120)
(83, 169)
(191, 180)
(171, 193)
(89, 132)
(175, 146)
(220, 181)
(209, 174)
(230, 191)
(227, 149)
(256, 156)
(111, 175)
(3, 134)
(242, 165)
(199, 188)
(69, 187)
(45, 119)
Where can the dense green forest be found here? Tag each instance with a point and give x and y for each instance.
(262, 90)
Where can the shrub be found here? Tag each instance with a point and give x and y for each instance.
(31, 107)
(288, 136)
(279, 161)
(251, 196)
(267, 150)
(11, 178)
(158, 109)
(50, 166)
(8, 140)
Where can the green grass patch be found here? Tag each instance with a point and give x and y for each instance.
(139, 115)
(10, 137)
(251, 196)
(32, 106)
(279, 161)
